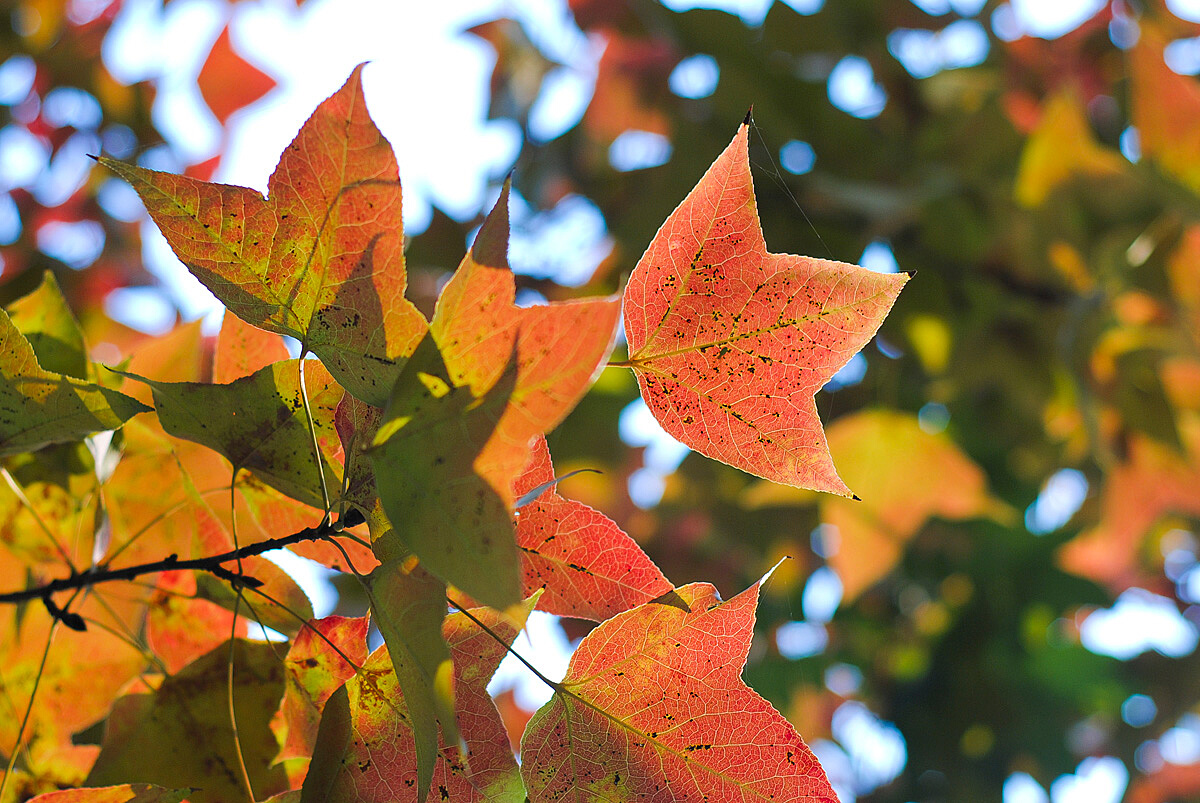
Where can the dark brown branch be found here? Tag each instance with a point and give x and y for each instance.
(211, 564)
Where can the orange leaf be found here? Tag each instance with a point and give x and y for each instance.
(730, 343)
(589, 567)
(653, 700)
(322, 260)
(559, 348)
(243, 349)
(228, 82)
(1166, 108)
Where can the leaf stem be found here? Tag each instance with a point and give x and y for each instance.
(312, 430)
(237, 742)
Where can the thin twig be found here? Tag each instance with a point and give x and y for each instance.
(505, 645)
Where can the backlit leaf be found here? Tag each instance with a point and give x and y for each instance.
(425, 460)
(653, 707)
(1165, 108)
(730, 343)
(243, 349)
(322, 260)
(589, 567)
(228, 82)
(258, 423)
(559, 347)
(38, 407)
(181, 734)
(376, 759)
(51, 329)
(126, 793)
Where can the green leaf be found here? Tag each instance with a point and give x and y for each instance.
(409, 606)
(181, 734)
(258, 424)
(38, 407)
(424, 456)
(51, 329)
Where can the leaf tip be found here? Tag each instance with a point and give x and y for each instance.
(491, 243)
(749, 114)
(856, 497)
(909, 273)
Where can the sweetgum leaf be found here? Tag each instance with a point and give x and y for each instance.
(125, 793)
(38, 407)
(51, 329)
(258, 423)
(181, 734)
(730, 342)
(408, 605)
(371, 755)
(589, 567)
(425, 457)
(559, 347)
(321, 260)
(653, 707)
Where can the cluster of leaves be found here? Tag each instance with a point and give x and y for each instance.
(1047, 194)
(410, 454)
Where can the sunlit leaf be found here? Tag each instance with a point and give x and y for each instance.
(243, 349)
(730, 342)
(653, 704)
(228, 82)
(51, 329)
(322, 260)
(126, 793)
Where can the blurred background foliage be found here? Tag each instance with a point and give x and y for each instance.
(1012, 611)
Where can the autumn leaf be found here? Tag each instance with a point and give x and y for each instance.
(228, 82)
(730, 343)
(374, 757)
(906, 476)
(180, 628)
(321, 260)
(408, 605)
(181, 733)
(259, 424)
(51, 329)
(425, 456)
(1062, 145)
(559, 347)
(243, 349)
(125, 793)
(1165, 108)
(38, 407)
(314, 669)
(589, 567)
(653, 704)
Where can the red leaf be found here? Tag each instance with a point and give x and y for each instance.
(559, 348)
(228, 82)
(730, 343)
(653, 700)
(589, 567)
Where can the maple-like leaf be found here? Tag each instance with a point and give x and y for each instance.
(321, 260)
(259, 424)
(559, 347)
(425, 456)
(409, 605)
(1061, 146)
(730, 342)
(653, 707)
(125, 793)
(228, 82)
(906, 476)
(314, 670)
(589, 567)
(181, 734)
(38, 407)
(51, 329)
(367, 749)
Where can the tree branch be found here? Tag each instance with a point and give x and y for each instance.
(210, 564)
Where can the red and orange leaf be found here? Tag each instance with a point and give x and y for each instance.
(126, 793)
(228, 82)
(376, 762)
(181, 628)
(559, 347)
(653, 707)
(1152, 481)
(906, 476)
(313, 671)
(589, 567)
(730, 343)
(243, 349)
(322, 260)
(1165, 108)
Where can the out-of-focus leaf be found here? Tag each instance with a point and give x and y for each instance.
(126, 793)
(1166, 108)
(228, 82)
(51, 329)
(243, 349)
(1061, 146)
